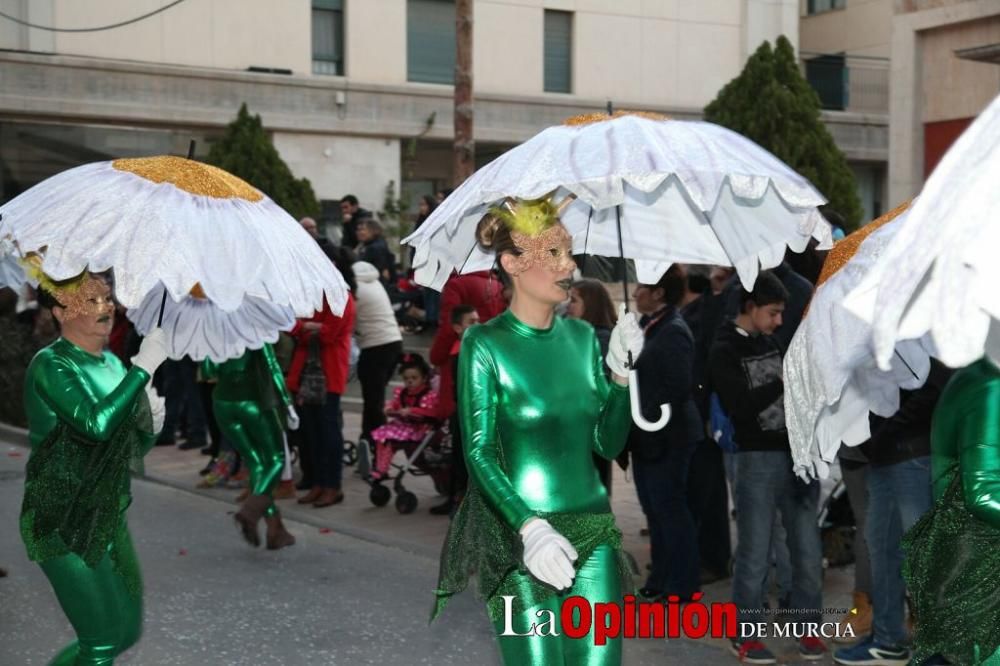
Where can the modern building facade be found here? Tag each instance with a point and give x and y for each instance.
(356, 93)
(945, 71)
(844, 50)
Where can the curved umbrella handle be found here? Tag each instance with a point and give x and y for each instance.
(637, 417)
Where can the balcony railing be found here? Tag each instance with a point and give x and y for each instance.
(848, 83)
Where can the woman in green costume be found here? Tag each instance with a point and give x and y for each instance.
(952, 565)
(249, 391)
(534, 405)
(88, 419)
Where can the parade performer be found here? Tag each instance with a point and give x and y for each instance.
(247, 397)
(88, 419)
(534, 404)
(952, 566)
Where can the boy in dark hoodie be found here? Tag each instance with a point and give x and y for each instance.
(745, 370)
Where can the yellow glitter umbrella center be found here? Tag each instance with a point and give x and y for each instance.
(193, 177)
(589, 118)
(844, 250)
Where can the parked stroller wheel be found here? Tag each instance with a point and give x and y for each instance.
(406, 502)
(380, 495)
(350, 453)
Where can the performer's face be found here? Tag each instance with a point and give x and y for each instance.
(87, 311)
(544, 269)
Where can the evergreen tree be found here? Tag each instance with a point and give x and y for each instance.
(246, 151)
(771, 103)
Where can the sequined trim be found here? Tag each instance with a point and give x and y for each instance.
(552, 249)
(845, 249)
(589, 118)
(191, 176)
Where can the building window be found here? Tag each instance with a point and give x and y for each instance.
(828, 75)
(558, 51)
(328, 37)
(820, 6)
(430, 41)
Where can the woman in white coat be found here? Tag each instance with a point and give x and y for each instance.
(380, 342)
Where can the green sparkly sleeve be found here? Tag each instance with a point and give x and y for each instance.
(58, 382)
(477, 404)
(615, 418)
(277, 376)
(979, 451)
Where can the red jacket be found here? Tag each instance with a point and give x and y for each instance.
(446, 389)
(481, 290)
(334, 345)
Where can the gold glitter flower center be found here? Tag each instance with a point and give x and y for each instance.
(843, 251)
(589, 118)
(193, 177)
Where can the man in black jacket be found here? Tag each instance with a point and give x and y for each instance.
(899, 493)
(661, 459)
(351, 214)
(745, 370)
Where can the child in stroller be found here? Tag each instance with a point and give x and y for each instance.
(414, 427)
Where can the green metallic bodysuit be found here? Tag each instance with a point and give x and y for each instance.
(249, 391)
(534, 405)
(953, 553)
(88, 419)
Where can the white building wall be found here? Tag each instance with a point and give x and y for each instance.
(339, 165)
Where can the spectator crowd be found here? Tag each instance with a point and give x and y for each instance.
(713, 352)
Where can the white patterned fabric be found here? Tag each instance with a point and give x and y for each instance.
(939, 277)
(831, 379)
(197, 328)
(97, 217)
(689, 192)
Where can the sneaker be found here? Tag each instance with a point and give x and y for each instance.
(752, 652)
(811, 648)
(868, 652)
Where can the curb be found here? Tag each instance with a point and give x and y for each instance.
(19, 437)
(319, 523)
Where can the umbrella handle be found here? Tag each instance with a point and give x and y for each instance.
(637, 417)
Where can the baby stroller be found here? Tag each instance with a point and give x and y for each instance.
(429, 457)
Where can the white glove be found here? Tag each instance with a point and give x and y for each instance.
(547, 554)
(152, 351)
(293, 418)
(626, 336)
(157, 407)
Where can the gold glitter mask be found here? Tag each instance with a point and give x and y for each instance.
(92, 298)
(552, 249)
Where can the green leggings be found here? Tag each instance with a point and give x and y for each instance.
(257, 436)
(106, 616)
(598, 581)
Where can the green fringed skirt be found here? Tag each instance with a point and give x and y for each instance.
(479, 543)
(952, 570)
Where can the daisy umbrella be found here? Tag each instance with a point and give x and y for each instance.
(831, 379)
(939, 277)
(237, 268)
(646, 188)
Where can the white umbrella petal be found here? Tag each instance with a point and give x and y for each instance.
(832, 381)
(198, 329)
(689, 192)
(97, 216)
(940, 273)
